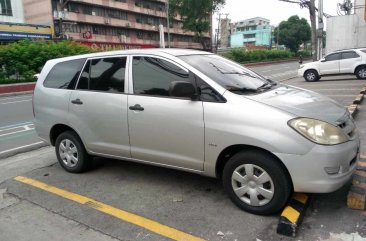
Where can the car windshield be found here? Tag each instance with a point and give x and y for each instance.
(228, 74)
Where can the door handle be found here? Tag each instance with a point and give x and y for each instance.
(77, 102)
(136, 107)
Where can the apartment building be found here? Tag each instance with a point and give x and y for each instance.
(253, 32)
(116, 24)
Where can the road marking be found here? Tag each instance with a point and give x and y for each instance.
(25, 128)
(20, 147)
(132, 218)
(15, 102)
(16, 125)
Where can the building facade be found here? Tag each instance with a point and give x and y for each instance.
(348, 31)
(253, 32)
(12, 26)
(11, 11)
(116, 24)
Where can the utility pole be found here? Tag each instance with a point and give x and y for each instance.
(168, 21)
(314, 40)
(278, 36)
(320, 30)
(61, 15)
(218, 32)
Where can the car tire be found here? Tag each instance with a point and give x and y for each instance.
(311, 76)
(71, 153)
(361, 72)
(256, 182)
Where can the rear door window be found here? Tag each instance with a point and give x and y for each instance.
(350, 55)
(64, 75)
(107, 75)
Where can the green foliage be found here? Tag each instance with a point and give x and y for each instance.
(196, 15)
(293, 32)
(243, 56)
(21, 60)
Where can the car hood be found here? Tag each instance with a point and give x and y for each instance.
(303, 103)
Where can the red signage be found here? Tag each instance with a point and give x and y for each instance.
(116, 46)
(88, 35)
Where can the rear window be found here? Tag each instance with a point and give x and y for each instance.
(64, 75)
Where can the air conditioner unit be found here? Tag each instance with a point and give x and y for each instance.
(128, 25)
(107, 21)
(94, 13)
(123, 38)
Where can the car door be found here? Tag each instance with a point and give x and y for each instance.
(348, 61)
(330, 64)
(98, 107)
(163, 128)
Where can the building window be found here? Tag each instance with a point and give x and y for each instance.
(5, 8)
(249, 35)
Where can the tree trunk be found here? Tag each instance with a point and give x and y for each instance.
(314, 40)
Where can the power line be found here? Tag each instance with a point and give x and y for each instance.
(305, 4)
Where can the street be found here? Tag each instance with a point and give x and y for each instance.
(16, 125)
(46, 202)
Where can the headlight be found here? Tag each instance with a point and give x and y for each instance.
(318, 131)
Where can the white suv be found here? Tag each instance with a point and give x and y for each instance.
(351, 61)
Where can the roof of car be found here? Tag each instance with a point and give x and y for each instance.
(157, 51)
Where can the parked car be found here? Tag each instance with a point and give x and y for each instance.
(342, 62)
(197, 112)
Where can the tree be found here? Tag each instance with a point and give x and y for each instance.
(293, 32)
(310, 4)
(195, 15)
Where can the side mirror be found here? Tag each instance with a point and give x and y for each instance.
(323, 60)
(182, 89)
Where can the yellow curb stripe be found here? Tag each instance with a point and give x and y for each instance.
(145, 223)
(301, 197)
(291, 214)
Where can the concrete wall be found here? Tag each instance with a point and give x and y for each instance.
(38, 12)
(346, 31)
(18, 13)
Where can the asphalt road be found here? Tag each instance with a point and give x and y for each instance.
(17, 132)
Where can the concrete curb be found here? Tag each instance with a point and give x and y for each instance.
(293, 214)
(15, 88)
(20, 150)
(356, 198)
(274, 62)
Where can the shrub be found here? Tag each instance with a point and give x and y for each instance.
(21, 60)
(243, 56)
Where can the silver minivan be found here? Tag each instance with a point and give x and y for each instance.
(197, 112)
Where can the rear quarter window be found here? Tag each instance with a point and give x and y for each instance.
(64, 75)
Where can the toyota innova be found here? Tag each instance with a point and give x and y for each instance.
(197, 112)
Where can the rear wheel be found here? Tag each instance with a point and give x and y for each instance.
(361, 72)
(71, 152)
(256, 182)
(311, 76)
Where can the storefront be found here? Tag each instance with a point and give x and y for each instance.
(10, 32)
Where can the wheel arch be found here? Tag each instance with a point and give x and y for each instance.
(57, 129)
(317, 71)
(359, 66)
(230, 151)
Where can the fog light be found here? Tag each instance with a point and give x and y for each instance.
(332, 170)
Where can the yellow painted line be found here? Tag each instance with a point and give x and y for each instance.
(291, 214)
(145, 223)
(301, 197)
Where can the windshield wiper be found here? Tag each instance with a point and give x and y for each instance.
(244, 89)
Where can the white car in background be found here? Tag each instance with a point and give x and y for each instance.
(350, 61)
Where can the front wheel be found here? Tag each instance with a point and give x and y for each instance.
(256, 182)
(361, 72)
(311, 76)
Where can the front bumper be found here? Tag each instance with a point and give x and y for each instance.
(300, 72)
(308, 172)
